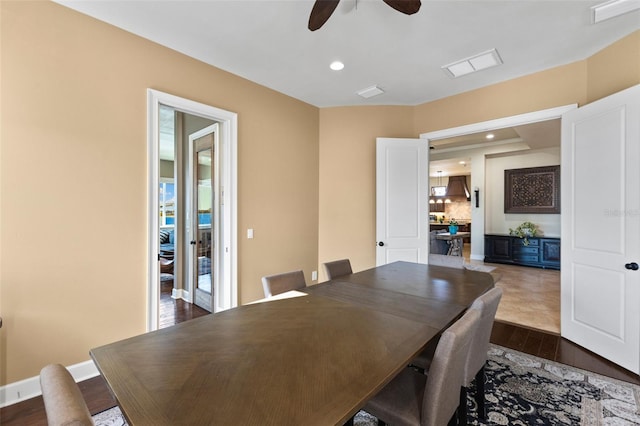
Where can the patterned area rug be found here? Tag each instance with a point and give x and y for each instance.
(525, 390)
(111, 417)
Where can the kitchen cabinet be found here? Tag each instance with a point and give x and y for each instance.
(438, 226)
(436, 207)
(541, 252)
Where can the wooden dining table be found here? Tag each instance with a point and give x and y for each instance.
(314, 359)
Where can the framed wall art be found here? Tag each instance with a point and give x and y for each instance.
(532, 190)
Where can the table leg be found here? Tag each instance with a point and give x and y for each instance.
(455, 249)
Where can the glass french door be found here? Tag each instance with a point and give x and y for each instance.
(202, 229)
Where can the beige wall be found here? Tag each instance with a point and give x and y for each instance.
(547, 89)
(166, 169)
(73, 232)
(615, 68)
(73, 105)
(347, 176)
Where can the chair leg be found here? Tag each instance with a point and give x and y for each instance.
(480, 378)
(462, 407)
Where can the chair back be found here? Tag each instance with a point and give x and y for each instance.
(445, 376)
(337, 268)
(63, 401)
(487, 306)
(437, 246)
(280, 283)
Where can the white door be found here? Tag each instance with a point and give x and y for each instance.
(600, 282)
(204, 216)
(402, 181)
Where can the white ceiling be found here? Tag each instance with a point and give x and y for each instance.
(267, 41)
(534, 136)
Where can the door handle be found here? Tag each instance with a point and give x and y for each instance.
(633, 266)
(381, 244)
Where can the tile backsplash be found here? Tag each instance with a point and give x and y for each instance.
(458, 210)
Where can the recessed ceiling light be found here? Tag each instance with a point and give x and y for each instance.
(336, 65)
(370, 92)
(490, 136)
(462, 162)
(478, 62)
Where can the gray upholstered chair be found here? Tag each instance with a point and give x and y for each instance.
(280, 283)
(437, 246)
(486, 305)
(63, 401)
(337, 268)
(413, 398)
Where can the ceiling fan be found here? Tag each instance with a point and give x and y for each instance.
(322, 10)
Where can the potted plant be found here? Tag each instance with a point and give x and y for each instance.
(453, 226)
(525, 230)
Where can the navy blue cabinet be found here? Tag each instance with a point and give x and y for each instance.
(497, 248)
(541, 252)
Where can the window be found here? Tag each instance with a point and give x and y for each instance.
(167, 199)
(438, 191)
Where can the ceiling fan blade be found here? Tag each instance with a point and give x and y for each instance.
(322, 10)
(408, 7)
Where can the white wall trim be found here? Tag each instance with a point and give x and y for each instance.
(13, 393)
(180, 293)
(499, 123)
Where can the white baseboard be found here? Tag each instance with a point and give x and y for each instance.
(476, 257)
(180, 293)
(13, 393)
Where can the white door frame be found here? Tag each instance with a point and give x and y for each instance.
(478, 220)
(228, 122)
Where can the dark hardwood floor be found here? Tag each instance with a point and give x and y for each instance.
(173, 311)
(555, 348)
(534, 342)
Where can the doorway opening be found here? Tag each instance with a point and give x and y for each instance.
(465, 143)
(487, 159)
(450, 202)
(192, 204)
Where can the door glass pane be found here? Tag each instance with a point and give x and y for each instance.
(167, 200)
(204, 219)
